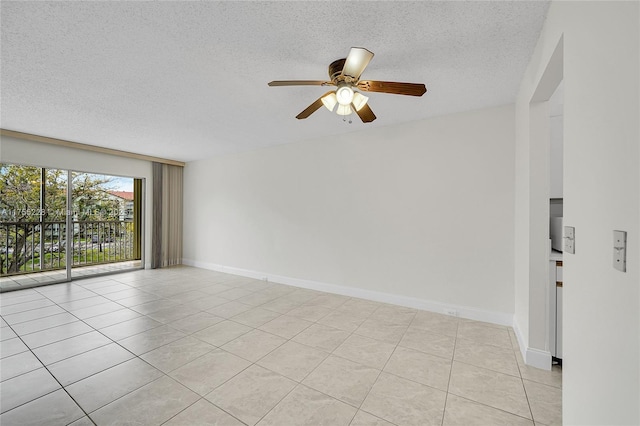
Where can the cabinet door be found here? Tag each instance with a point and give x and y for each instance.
(559, 322)
(558, 272)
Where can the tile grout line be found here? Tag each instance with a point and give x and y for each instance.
(256, 362)
(453, 356)
(494, 371)
(298, 384)
(194, 403)
(332, 310)
(526, 394)
(135, 356)
(94, 329)
(54, 378)
(34, 285)
(386, 362)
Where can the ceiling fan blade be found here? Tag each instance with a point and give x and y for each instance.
(300, 83)
(365, 114)
(356, 62)
(313, 107)
(393, 87)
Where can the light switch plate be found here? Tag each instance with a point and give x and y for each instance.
(569, 239)
(620, 250)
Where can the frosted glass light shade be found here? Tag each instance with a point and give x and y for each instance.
(359, 101)
(344, 94)
(330, 101)
(344, 109)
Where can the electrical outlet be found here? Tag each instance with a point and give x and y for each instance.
(451, 312)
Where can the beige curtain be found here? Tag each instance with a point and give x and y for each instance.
(167, 215)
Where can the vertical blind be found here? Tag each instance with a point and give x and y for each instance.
(167, 215)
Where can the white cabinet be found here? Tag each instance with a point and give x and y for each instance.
(555, 305)
(558, 322)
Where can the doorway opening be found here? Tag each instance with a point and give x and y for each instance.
(56, 225)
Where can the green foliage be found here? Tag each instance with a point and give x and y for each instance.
(20, 202)
(19, 193)
(91, 199)
(20, 188)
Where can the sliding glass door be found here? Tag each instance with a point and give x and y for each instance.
(32, 225)
(58, 224)
(104, 233)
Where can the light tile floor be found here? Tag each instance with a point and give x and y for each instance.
(186, 346)
(14, 282)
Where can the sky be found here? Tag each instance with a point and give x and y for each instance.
(121, 184)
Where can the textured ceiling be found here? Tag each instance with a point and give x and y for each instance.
(188, 80)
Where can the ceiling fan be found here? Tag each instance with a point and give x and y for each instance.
(345, 74)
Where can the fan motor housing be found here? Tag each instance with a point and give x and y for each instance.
(335, 69)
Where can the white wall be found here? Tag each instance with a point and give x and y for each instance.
(556, 120)
(30, 153)
(600, 61)
(556, 156)
(423, 211)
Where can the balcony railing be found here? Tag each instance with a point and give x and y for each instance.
(27, 247)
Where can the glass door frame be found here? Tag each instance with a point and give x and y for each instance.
(69, 229)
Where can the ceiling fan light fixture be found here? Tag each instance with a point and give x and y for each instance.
(330, 101)
(344, 94)
(359, 101)
(344, 74)
(344, 109)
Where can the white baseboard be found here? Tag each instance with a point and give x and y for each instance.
(467, 312)
(531, 356)
(537, 358)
